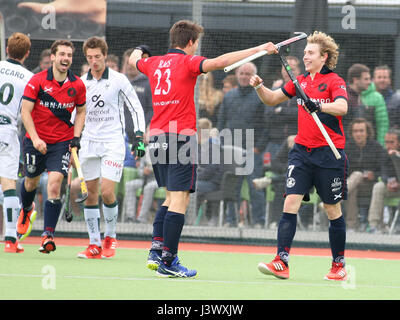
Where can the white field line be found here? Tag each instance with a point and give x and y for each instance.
(200, 281)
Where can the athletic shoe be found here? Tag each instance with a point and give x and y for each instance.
(109, 246)
(32, 219)
(13, 247)
(153, 260)
(276, 268)
(337, 272)
(25, 220)
(91, 252)
(48, 245)
(175, 270)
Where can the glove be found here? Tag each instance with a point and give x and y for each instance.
(75, 142)
(312, 106)
(145, 49)
(138, 146)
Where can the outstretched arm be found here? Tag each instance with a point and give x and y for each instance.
(227, 59)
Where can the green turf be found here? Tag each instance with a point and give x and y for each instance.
(226, 276)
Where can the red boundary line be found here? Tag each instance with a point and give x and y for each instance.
(129, 244)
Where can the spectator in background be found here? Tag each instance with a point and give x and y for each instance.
(44, 61)
(210, 98)
(281, 119)
(112, 61)
(84, 69)
(147, 182)
(365, 157)
(383, 83)
(209, 174)
(382, 80)
(141, 84)
(242, 109)
(229, 83)
(365, 102)
(389, 187)
(279, 168)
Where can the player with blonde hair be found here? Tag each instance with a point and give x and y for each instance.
(311, 161)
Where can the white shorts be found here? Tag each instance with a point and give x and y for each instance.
(102, 159)
(9, 155)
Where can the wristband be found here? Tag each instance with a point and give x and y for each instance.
(258, 86)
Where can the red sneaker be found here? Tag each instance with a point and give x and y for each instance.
(48, 245)
(13, 247)
(109, 246)
(276, 268)
(25, 220)
(91, 252)
(337, 272)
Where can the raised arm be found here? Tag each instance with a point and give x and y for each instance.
(267, 96)
(227, 59)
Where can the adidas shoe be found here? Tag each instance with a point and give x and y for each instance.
(153, 260)
(175, 270)
(48, 245)
(91, 252)
(337, 272)
(275, 268)
(25, 221)
(13, 247)
(109, 246)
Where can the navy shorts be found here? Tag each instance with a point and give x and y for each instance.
(56, 158)
(317, 167)
(174, 160)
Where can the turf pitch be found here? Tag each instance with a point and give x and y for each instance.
(221, 275)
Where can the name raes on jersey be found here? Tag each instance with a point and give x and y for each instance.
(12, 73)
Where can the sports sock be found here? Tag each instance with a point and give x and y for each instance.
(173, 225)
(52, 208)
(337, 238)
(27, 197)
(11, 209)
(286, 231)
(110, 212)
(158, 230)
(92, 218)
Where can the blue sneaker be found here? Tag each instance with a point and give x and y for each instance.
(153, 260)
(176, 270)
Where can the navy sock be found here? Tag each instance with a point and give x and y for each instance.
(286, 231)
(173, 225)
(337, 238)
(158, 230)
(27, 197)
(52, 210)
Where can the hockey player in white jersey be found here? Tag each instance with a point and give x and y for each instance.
(102, 150)
(13, 79)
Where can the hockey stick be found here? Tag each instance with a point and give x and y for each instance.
(84, 192)
(301, 36)
(313, 114)
(66, 208)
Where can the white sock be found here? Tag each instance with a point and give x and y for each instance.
(110, 213)
(92, 218)
(11, 208)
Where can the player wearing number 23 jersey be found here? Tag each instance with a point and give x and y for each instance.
(172, 80)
